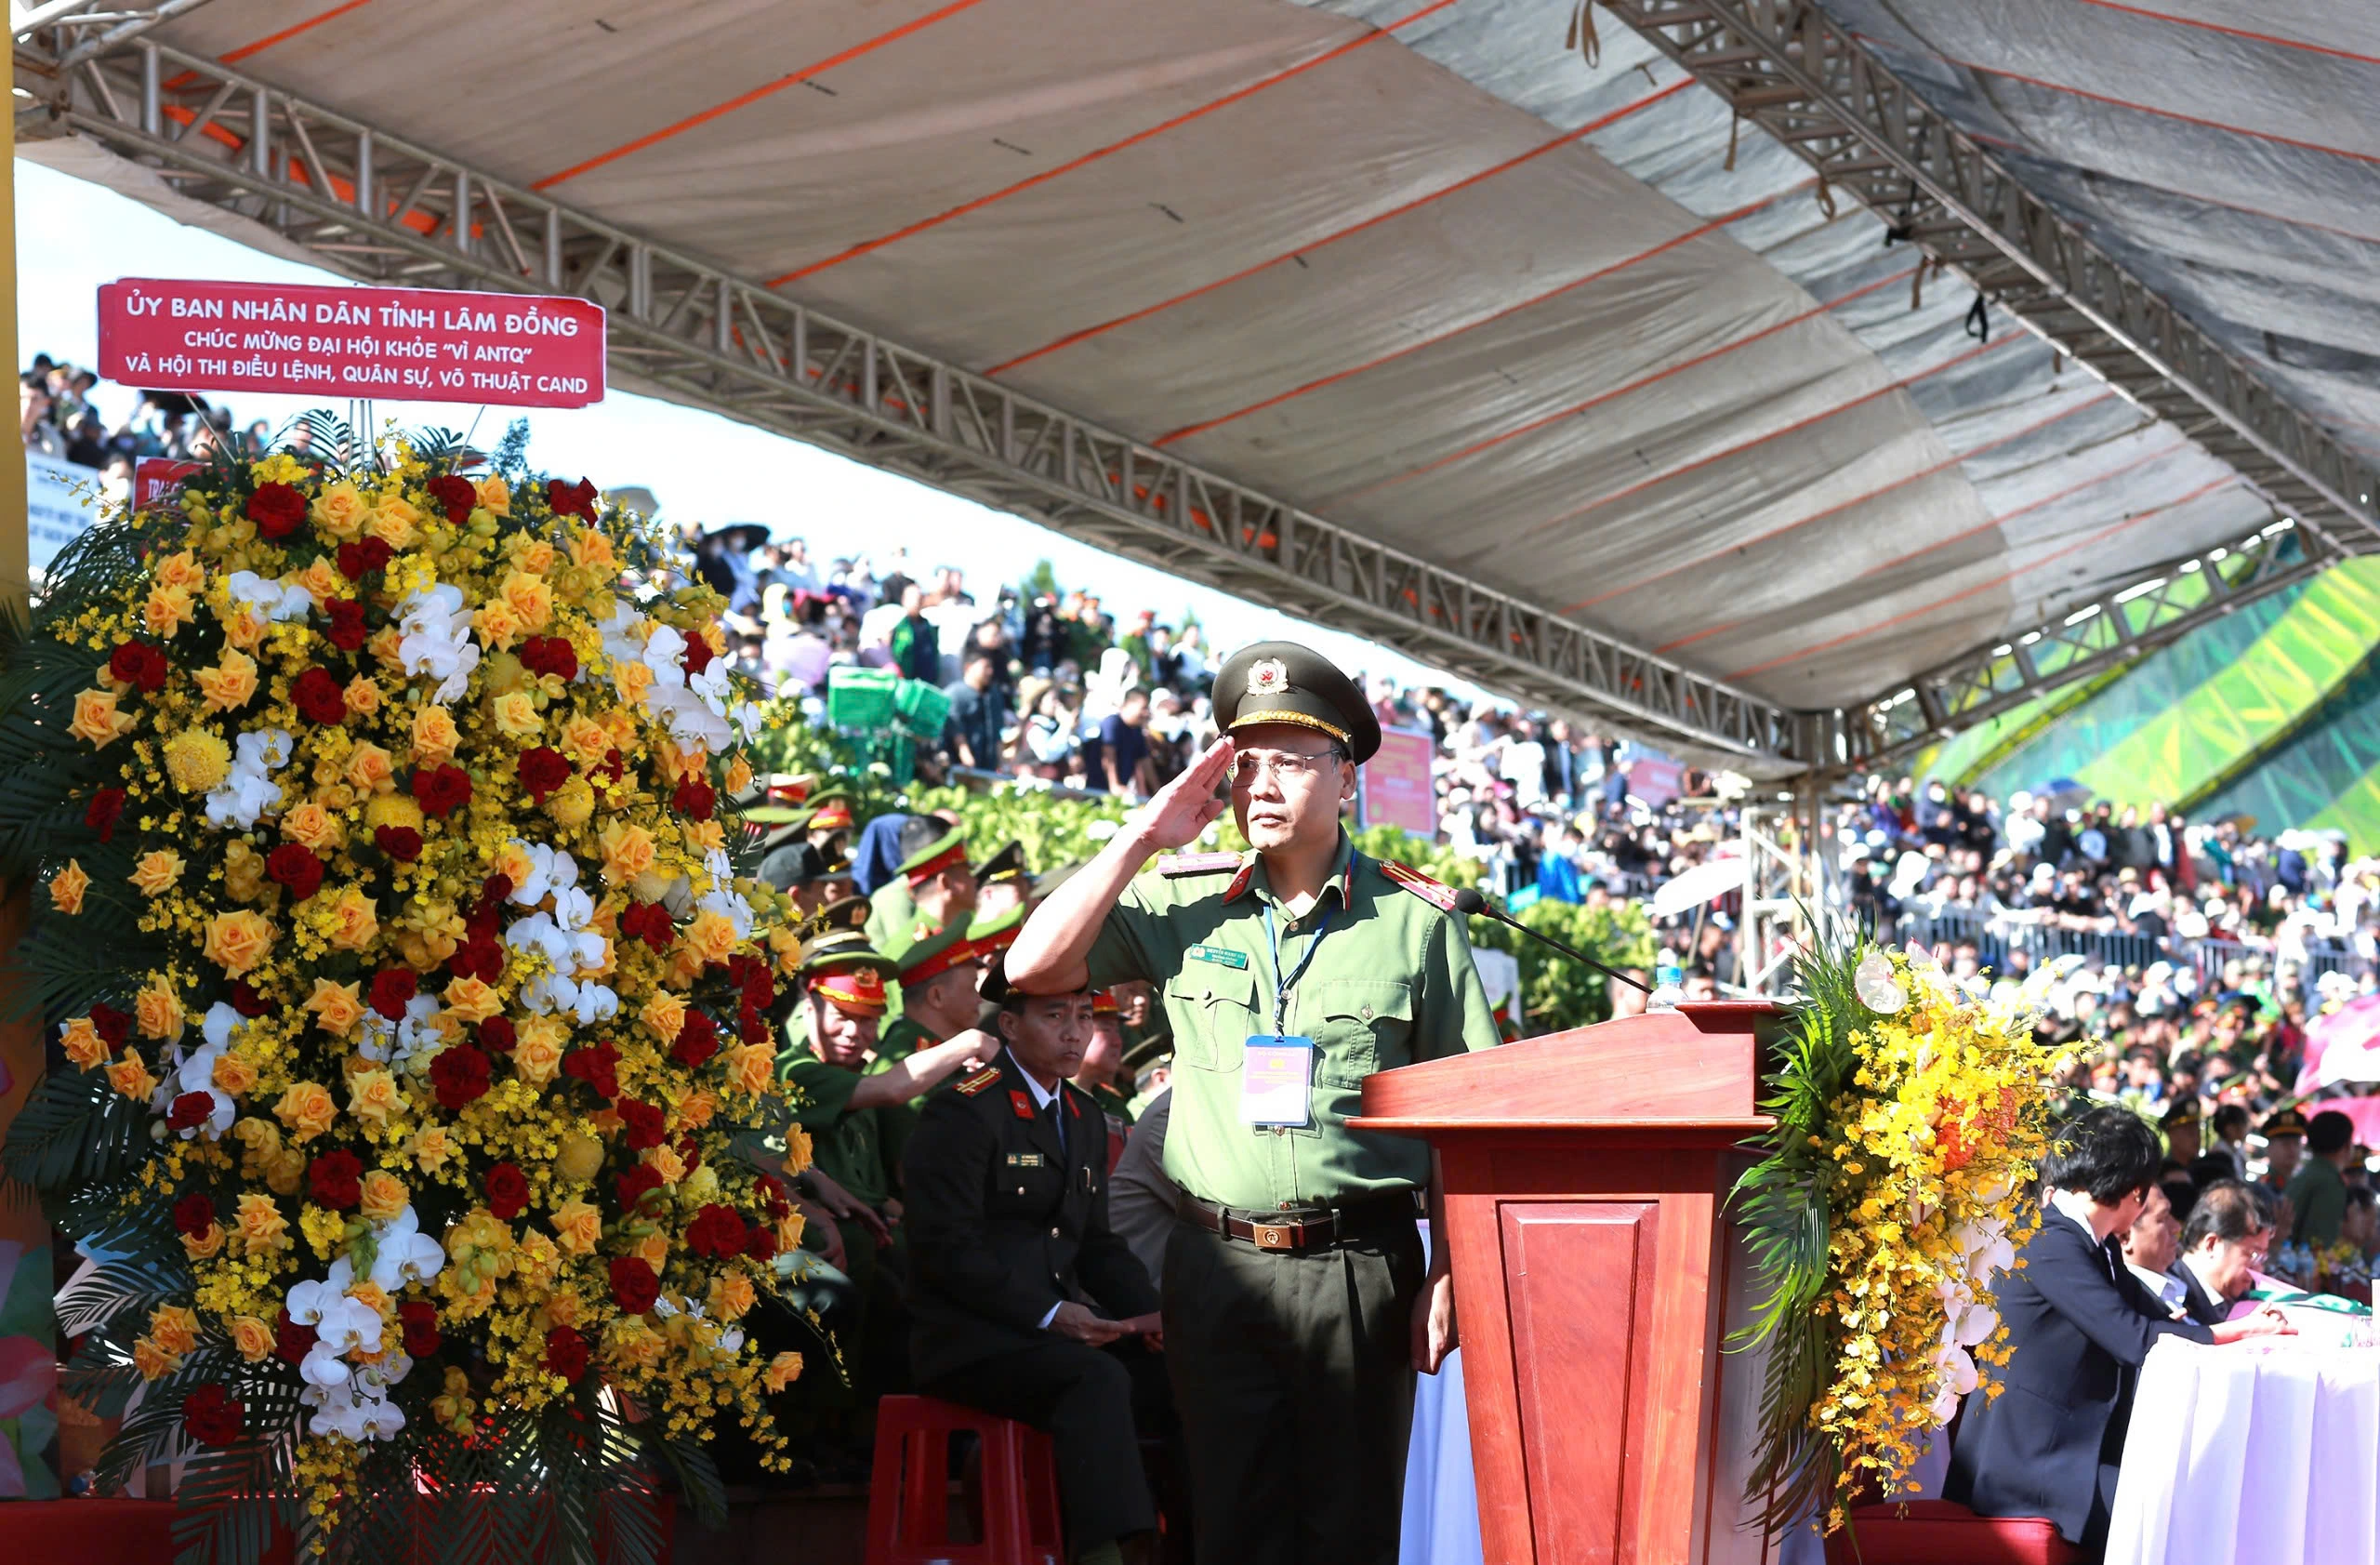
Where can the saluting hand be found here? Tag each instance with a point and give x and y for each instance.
(1188, 804)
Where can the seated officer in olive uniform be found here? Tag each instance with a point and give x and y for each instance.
(1297, 1307)
(1008, 1182)
(1105, 1058)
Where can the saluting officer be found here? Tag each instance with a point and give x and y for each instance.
(1008, 1210)
(1297, 1307)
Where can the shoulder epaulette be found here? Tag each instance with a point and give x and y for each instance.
(1173, 866)
(973, 1084)
(1436, 893)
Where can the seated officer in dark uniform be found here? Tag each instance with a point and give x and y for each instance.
(1008, 1219)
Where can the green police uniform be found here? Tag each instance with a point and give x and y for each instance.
(1291, 1367)
(2318, 1195)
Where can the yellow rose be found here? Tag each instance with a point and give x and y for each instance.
(496, 496)
(392, 523)
(340, 508)
(166, 610)
(536, 1051)
(586, 738)
(430, 1149)
(797, 1148)
(284, 1170)
(243, 871)
(96, 721)
(471, 1001)
(664, 1015)
(711, 936)
(751, 1068)
(590, 548)
(174, 1328)
(158, 1011)
(694, 1110)
(252, 1338)
(66, 887)
(385, 646)
(633, 1344)
(82, 1044)
(353, 924)
(627, 852)
(672, 763)
(634, 680)
(783, 1370)
(237, 941)
(200, 1246)
(312, 826)
(731, 1296)
(653, 1251)
(577, 1227)
(530, 599)
(789, 1229)
(497, 624)
(231, 683)
(572, 803)
(337, 1007)
(306, 1109)
(666, 1159)
(516, 715)
(131, 1078)
(262, 1229)
(370, 768)
(235, 1075)
(361, 696)
(374, 1095)
(243, 628)
(434, 737)
(180, 569)
(322, 582)
(197, 760)
(156, 872)
(150, 1360)
(384, 1195)
(706, 834)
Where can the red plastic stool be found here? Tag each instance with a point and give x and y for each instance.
(908, 1492)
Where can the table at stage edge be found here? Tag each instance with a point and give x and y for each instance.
(2261, 1451)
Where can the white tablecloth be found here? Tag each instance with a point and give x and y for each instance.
(2262, 1451)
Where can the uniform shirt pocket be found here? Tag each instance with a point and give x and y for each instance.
(1365, 1025)
(1021, 1188)
(1210, 1003)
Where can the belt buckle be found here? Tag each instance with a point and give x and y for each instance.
(1274, 1236)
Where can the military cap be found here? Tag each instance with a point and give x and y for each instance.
(780, 802)
(1049, 881)
(787, 865)
(935, 954)
(2288, 1121)
(1102, 1004)
(2181, 1114)
(996, 990)
(830, 810)
(1281, 682)
(947, 848)
(841, 967)
(996, 932)
(1006, 865)
(1139, 1055)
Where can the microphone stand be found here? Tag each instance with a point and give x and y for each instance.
(1471, 901)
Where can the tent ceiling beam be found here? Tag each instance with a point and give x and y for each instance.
(2093, 639)
(371, 206)
(1807, 81)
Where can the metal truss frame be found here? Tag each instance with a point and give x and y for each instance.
(380, 209)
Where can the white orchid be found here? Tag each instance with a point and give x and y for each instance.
(341, 1324)
(247, 792)
(280, 601)
(402, 1253)
(436, 639)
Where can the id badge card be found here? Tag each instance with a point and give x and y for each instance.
(1274, 1081)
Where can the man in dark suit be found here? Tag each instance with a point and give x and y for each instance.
(1007, 1175)
(2225, 1241)
(2080, 1326)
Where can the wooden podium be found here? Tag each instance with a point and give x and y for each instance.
(1595, 1274)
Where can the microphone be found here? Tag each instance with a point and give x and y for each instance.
(1468, 900)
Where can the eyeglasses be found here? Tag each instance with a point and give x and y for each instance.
(1287, 764)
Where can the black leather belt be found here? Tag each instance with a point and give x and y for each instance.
(1303, 1228)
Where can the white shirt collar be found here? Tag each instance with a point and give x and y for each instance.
(2167, 1287)
(1040, 1099)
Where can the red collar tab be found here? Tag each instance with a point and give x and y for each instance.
(1239, 881)
(1432, 892)
(1022, 1104)
(1073, 1109)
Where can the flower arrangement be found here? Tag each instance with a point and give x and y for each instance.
(1911, 1111)
(415, 1011)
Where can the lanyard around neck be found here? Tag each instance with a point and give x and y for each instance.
(1283, 983)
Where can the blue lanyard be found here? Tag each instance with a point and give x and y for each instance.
(1284, 983)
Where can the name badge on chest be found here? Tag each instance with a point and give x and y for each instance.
(1025, 1159)
(1276, 1082)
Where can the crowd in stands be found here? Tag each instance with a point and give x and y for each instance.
(57, 418)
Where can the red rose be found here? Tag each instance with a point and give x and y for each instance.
(400, 843)
(571, 499)
(212, 1415)
(479, 957)
(599, 1067)
(695, 799)
(106, 809)
(347, 632)
(193, 1214)
(566, 1353)
(697, 655)
(190, 1111)
(277, 509)
(441, 791)
(541, 771)
(642, 1125)
(634, 1287)
(550, 655)
(692, 1155)
(613, 767)
(316, 695)
(138, 663)
(716, 1230)
(246, 1001)
(361, 558)
(636, 1183)
(761, 1243)
(750, 1025)
(392, 990)
(495, 889)
(457, 495)
(650, 922)
(295, 865)
(508, 1190)
(111, 1023)
(496, 1035)
(335, 1180)
(697, 1039)
(290, 1340)
(419, 1318)
(459, 1073)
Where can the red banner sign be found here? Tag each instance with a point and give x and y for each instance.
(388, 344)
(155, 477)
(1396, 787)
